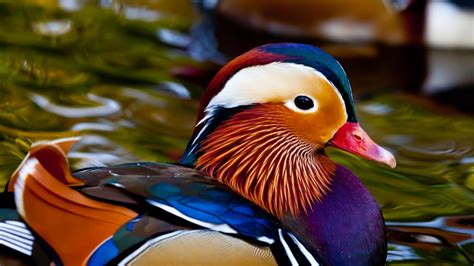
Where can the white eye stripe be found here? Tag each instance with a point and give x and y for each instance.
(291, 104)
(273, 82)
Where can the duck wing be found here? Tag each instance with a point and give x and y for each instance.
(182, 193)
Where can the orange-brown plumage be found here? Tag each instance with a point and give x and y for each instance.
(258, 155)
(63, 217)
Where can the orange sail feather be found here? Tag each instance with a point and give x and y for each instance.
(63, 217)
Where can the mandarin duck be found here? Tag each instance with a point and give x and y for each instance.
(253, 187)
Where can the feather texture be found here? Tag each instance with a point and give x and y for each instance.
(260, 159)
(62, 216)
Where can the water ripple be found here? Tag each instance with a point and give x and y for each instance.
(53, 28)
(108, 107)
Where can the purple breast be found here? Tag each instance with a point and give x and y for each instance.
(346, 227)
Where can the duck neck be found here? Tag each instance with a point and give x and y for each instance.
(255, 156)
(346, 227)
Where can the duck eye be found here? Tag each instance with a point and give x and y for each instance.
(304, 102)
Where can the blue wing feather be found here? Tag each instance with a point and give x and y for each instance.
(187, 193)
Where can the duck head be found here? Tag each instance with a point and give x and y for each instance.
(265, 120)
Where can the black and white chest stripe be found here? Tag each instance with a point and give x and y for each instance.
(288, 250)
(15, 235)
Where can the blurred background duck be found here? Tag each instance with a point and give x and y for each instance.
(254, 185)
(395, 22)
(425, 46)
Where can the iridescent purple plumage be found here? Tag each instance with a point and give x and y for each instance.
(346, 227)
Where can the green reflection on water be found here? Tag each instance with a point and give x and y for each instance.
(101, 73)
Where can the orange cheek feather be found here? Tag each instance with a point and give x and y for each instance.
(318, 127)
(257, 155)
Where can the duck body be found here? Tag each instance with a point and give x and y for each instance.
(176, 201)
(253, 187)
(356, 220)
